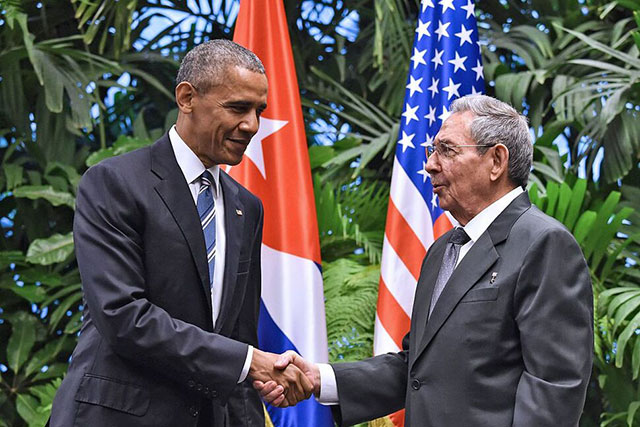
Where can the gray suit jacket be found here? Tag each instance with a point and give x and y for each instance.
(148, 354)
(516, 352)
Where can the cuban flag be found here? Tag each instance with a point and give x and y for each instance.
(445, 64)
(276, 169)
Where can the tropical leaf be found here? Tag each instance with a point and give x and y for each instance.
(47, 192)
(54, 249)
(22, 339)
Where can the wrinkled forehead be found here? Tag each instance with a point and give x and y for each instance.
(456, 129)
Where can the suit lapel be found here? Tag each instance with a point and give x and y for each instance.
(234, 224)
(474, 265)
(174, 192)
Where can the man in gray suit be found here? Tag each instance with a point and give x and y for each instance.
(502, 325)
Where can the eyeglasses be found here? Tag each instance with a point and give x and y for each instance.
(448, 151)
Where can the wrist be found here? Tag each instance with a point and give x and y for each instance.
(316, 381)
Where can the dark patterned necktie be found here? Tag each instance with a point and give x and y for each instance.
(458, 238)
(207, 211)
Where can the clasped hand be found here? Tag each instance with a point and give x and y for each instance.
(283, 380)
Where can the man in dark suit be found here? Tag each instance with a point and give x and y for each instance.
(168, 247)
(502, 325)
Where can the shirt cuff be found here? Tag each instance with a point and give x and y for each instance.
(247, 365)
(328, 385)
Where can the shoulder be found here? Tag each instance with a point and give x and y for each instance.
(535, 229)
(248, 198)
(129, 166)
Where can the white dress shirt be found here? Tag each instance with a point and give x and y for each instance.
(474, 229)
(192, 168)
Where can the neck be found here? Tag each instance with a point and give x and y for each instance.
(492, 196)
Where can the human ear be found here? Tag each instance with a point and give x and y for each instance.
(185, 94)
(500, 162)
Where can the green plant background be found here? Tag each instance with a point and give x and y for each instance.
(82, 80)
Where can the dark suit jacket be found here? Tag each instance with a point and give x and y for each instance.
(516, 352)
(148, 354)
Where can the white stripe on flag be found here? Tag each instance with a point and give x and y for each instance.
(397, 277)
(411, 204)
(382, 342)
(292, 293)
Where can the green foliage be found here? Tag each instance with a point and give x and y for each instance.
(351, 292)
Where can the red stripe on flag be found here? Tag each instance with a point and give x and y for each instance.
(441, 226)
(404, 241)
(391, 315)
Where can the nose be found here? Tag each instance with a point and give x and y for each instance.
(432, 163)
(250, 123)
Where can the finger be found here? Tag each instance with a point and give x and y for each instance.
(285, 359)
(307, 386)
(268, 388)
(278, 402)
(276, 393)
(258, 385)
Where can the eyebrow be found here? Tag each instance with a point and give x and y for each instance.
(241, 103)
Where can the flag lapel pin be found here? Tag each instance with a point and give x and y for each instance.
(493, 277)
(238, 212)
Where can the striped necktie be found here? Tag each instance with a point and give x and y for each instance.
(207, 211)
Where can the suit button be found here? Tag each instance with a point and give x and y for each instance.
(193, 411)
(191, 383)
(199, 387)
(415, 384)
(214, 394)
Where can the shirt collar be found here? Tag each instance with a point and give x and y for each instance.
(189, 163)
(485, 218)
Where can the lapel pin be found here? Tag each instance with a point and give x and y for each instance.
(493, 277)
(238, 212)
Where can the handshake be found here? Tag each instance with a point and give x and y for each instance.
(283, 380)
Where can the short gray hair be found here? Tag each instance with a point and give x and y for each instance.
(204, 66)
(497, 122)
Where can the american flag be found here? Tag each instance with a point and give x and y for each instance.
(445, 64)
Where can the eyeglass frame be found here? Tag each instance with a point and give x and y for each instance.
(431, 149)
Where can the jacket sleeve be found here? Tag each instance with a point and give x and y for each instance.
(371, 388)
(107, 236)
(553, 305)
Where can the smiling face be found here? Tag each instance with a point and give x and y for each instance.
(462, 180)
(219, 124)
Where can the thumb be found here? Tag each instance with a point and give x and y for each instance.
(285, 359)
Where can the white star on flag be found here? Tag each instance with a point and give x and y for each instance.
(414, 85)
(428, 142)
(470, 8)
(479, 69)
(458, 63)
(434, 86)
(437, 58)
(254, 149)
(431, 116)
(442, 29)
(452, 89)
(464, 35)
(424, 172)
(423, 29)
(445, 114)
(434, 201)
(426, 4)
(418, 57)
(410, 113)
(446, 4)
(406, 141)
